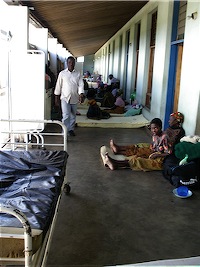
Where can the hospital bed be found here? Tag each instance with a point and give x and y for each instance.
(33, 175)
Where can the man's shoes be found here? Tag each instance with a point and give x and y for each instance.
(71, 133)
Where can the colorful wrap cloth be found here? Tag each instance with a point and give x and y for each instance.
(138, 157)
(145, 164)
(178, 116)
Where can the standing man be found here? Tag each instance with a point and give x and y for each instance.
(69, 89)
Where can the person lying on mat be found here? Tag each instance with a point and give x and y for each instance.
(175, 132)
(147, 158)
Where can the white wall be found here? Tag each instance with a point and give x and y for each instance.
(3, 15)
(26, 71)
(88, 64)
(190, 76)
(27, 87)
(142, 61)
(161, 59)
(59, 52)
(79, 67)
(52, 48)
(162, 53)
(17, 59)
(116, 60)
(18, 26)
(39, 37)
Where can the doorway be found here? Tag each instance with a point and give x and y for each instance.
(178, 76)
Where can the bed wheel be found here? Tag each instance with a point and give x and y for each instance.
(67, 189)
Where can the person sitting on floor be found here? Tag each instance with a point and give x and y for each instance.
(108, 99)
(147, 158)
(176, 173)
(87, 74)
(101, 90)
(94, 112)
(119, 104)
(175, 132)
(91, 93)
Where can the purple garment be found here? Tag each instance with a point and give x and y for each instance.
(119, 102)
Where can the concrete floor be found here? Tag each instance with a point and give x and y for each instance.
(122, 216)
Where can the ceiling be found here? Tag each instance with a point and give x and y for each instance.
(83, 26)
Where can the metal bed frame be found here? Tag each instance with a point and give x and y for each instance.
(39, 258)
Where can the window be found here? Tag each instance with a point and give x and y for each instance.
(181, 20)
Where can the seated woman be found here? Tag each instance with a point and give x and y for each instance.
(175, 132)
(118, 107)
(147, 158)
(108, 99)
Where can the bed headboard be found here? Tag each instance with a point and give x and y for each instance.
(12, 137)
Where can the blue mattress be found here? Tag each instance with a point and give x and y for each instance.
(31, 182)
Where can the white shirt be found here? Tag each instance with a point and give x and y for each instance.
(69, 86)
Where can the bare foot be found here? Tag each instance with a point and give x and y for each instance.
(109, 162)
(113, 146)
